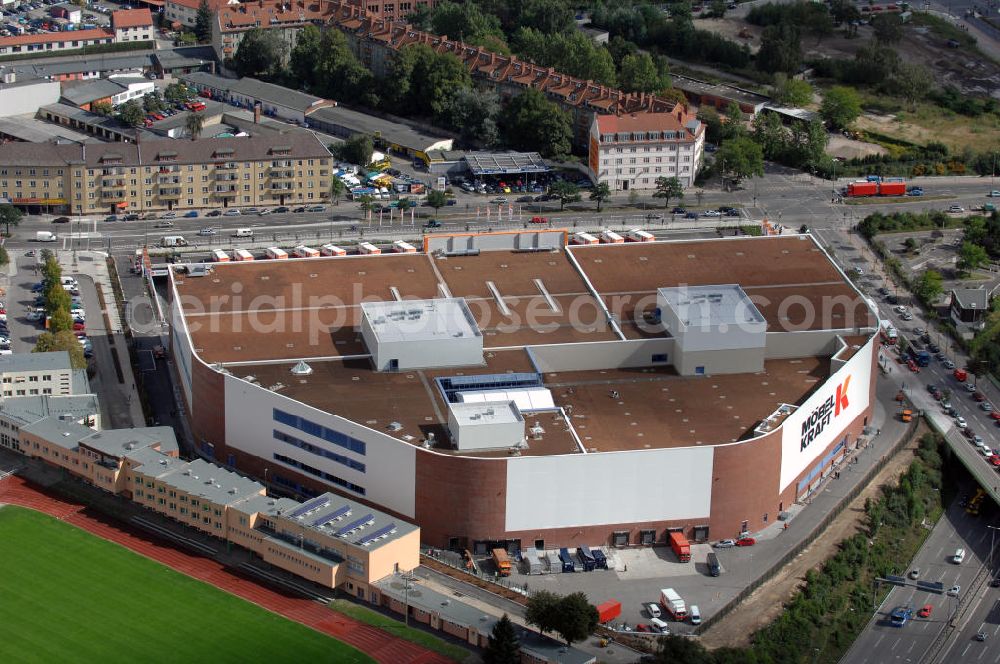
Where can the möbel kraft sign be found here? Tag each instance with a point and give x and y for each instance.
(825, 413)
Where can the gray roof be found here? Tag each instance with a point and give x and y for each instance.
(500, 163)
(971, 298)
(27, 128)
(792, 112)
(364, 522)
(64, 433)
(465, 615)
(212, 109)
(408, 136)
(269, 505)
(446, 155)
(255, 89)
(110, 63)
(80, 384)
(89, 91)
(147, 456)
(185, 56)
(53, 361)
(116, 442)
(722, 91)
(27, 410)
(205, 480)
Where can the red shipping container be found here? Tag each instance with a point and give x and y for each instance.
(892, 189)
(608, 610)
(862, 189)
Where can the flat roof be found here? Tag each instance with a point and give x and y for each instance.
(27, 128)
(31, 409)
(722, 91)
(503, 163)
(347, 520)
(420, 320)
(711, 306)
(256, 89)
(53, 361)
(489, 412)
(390, 130)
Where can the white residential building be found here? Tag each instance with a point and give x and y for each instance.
(632, 151)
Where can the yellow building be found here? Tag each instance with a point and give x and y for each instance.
(291, 168)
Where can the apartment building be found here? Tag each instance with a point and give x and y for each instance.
(127, 25)
(166, 174)
(284, 18)
(36, 374)
(183, 13)
(632, 151)
(132, 25)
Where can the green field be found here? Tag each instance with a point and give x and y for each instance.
(68, 596)
(398, 628)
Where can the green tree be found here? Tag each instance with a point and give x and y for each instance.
(60, 321)
(102, 108)
(566, 192)
(676, 96)
(841, 107)
(572, 53)
(929, 287)
(366, 203)
(668, 189)
(503, 646)
(9, 216)
(357, 149)
(203, 22)
(4, 256)
(63, 340)
(909, 80)
(305, 56)
(713, 124)
(260, 54)
(542, 611)
(130, 113)
(600, 193)
(473, 114)
(404, 204)
(339, 74)
(639, 73)
(740, 158)
(972, 257)
(437, 199)
(577, 618)
(532, 122)
(464, 21)
(888, 28)
(176, 92)
(678, 649)
(910, 244)
(716, 9)
(194, 123)
(421, 79)
(337, 190)
(791, 91)
(152, 102)
(780, 49)
(56, 298)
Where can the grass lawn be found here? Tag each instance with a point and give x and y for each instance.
(71, 597)
(397, 628)
(927, 122)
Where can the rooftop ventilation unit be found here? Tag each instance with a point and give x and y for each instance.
(301, 369)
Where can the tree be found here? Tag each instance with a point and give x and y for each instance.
(573, 53)
(404, 204)
(9, 216)
(437, 199)
(667, 189)
(130, 113)
(203, 22)
(910, 244)
(638, 73)
(929, 286)
(888, 28)
(337, 190)
(4, 257)
(64, 340)
(972, 257)
(305, 56)
(194, 123)
(60, 320)
(577, 618)
(56, 298)
(841, 107)
(152, 102)
(542, 611)
(357, 149)
(337, 72)
(780, 49)
(740, 158)
(473, 114)
(791, 91)
(674, 95)
(909, 80)
(566, 192)
(716, 9)
(503, 646)
(466, 21)
(532, 122)
(102, 108)
(366, 203)
(600, 193)
(260, 53)
(420, 79)
(176, 92)
(675, 648)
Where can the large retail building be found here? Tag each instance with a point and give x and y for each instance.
(513, 388)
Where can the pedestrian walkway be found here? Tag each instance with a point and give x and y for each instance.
(380, 645)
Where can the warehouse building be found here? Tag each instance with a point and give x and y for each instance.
(736, 344)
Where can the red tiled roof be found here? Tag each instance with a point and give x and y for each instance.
(131, 18)
(613, 124)
(267, 14)
(51, 37)
(214, 5)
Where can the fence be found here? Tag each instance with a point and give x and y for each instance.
(809, 538)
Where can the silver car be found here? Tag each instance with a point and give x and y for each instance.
(725, 544)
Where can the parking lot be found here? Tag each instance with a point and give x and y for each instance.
(36, 18)
(935, 250)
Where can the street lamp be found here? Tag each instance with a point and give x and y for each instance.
(406, 591)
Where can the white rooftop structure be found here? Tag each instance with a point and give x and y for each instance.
(484, 425)
(535, 398)
(413, 334)
(711, 306)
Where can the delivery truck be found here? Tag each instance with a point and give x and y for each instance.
(46, 236)
(610, 237)
(401, 247)
(242, 255)
(608, 611)
(303, 251)
(501, 561)
(682, 548)
(332, 250)
(584, 238)
(673, 604)
(219, 256)
(368, 248)
(638, 235)
(276, 253)
(173, 241)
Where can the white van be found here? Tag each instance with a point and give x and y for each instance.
(660, 625)
(958, 557)
(694, 614)
(653, 609)
(243, 232)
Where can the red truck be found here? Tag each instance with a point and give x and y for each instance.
(892, 189)
(608, 611)
(681, 546)
(961, 375)
(855, 189)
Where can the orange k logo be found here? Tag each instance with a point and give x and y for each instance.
(842, 397)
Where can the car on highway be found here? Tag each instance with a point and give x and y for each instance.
(207, 231)
(433, 223)
(949, 365)
(994, 194)
(191, 215)
(934, 348)
(969, 387)
(316, 208)
(232, 213)
(164, 224)
(264, 212)
(169, 215)
(925, 611)
(61, 220)
(979, 396)
(711, 213)
(539, 220)
(915, 191)
(678, 210)
(725, 544)
(960, 422)
(499, 200)
(956, 208)
(954, 590)
(746, 541)
(214, 213)
(281, 209)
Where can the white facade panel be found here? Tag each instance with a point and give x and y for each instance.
(808, 431)
(616, 487)
(389, 478)
(181, 349)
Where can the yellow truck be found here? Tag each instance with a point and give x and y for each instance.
(906, 415)
(502, 562)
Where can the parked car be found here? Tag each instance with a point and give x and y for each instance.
(711, 213)
(192, 214)
(925, 612)
(61, 220)
(163, 224)
(956, 208)
(207, 231)
(954, 590)
(746, 541)
(915, 573)
(539, 220)
(214, 213)
(232, 213)
(315, 208)
(281, 209)
(725, 544)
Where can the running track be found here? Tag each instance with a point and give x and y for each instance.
(380, 645)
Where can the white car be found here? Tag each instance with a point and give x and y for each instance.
(986, 452)
(954, 590)
(653, 609)
(949, 365)
(956, 208)
(264, 212)
(960, 422)
(969, 387)
(232, 213)
(711, 213)
(207, 231)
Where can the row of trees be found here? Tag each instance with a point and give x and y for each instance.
(572, 616)
(57, 306)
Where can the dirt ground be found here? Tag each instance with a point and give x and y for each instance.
(848, 148)
(764, 605)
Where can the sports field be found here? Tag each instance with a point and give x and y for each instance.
(68, 596)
